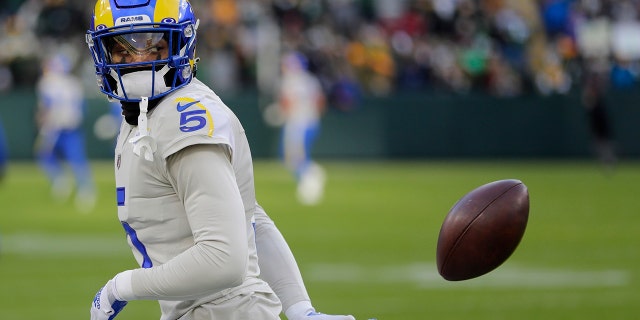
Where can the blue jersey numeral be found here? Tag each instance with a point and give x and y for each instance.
(146, 260)
(120, 193)
(192, 120)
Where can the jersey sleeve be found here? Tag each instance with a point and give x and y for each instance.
(189, 120)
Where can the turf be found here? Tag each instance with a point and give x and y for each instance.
(368, 249)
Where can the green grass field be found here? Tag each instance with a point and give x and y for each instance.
(368, 249)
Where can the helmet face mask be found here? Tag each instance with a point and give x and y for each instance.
(137, 55)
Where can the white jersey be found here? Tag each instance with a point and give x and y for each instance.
(178, 227)
(61, 97)
(303, 92)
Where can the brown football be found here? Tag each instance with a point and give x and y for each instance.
(482, 229)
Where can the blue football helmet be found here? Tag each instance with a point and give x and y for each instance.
(142, 48)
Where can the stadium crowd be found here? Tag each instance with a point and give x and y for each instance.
(502, 47)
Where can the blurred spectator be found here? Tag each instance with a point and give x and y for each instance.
(19, 54)
(345, 94)
(61, 140)
(594, 99)
(377, 47)
(371, 58)
(557, 17)
(219, 44)
(625, 48)
(624, 74)
(60, 20)
(597, 48)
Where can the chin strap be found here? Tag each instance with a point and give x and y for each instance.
(143, 144)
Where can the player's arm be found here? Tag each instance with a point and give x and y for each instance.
(205, 181)
(278, 266)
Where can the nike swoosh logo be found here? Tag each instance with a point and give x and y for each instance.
(182, 107)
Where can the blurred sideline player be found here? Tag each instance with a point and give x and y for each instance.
(60, 139)
(302, 102)
(184, 178)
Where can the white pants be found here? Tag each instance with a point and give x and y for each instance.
(249, 306)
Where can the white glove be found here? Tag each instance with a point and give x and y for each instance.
(105, 305)
(321, 316)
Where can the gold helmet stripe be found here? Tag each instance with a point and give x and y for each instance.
(167, 9)
(103, 14)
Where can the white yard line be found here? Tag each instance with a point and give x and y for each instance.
(59, 245)
(421, 275)
(425, 275)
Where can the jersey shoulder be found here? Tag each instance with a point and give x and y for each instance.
(191, 115)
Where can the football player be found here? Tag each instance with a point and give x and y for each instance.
(184, 179)
(302, 101)
(60, 138)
